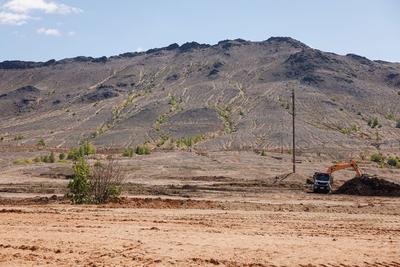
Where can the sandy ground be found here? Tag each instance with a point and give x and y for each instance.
(185, 209)
(314, 231)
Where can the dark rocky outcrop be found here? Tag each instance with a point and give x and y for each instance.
(101, 93)
(186, 47)
(23, 99)
(288, 40)
(17, 64)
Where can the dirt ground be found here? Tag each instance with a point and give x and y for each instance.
(185, 209)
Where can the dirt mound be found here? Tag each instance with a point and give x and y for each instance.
(35, 200)
(369, 186)
(159, 203)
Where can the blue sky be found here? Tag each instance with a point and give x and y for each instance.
(44, 29)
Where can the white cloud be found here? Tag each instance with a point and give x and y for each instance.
(18, 12)
(50, 7)
(139, 49)
(48, 31)
(71, 33)
(13, 18)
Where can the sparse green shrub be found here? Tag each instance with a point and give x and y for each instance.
(22, 161)
(52, 157)
(37, 159)
(96, 184)
(2, 139)
(74, 154)
(189, 141)
(128, 152)
(84, 150)
(41, 142)
(164, 138)
(45, 159)
(142, 150)
(393, 161)
(349, 130)
(377, 157)
(88, 148)
(398, 124)
(18, 137)
(263, 153)
(374, 123)
(106, 181)
(61, 156)
(391, 117)
(172, 101)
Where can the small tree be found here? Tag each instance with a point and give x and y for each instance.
(96, 184)
(79, 187)
(106, 181)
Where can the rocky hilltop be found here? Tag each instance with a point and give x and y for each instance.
(234, 95)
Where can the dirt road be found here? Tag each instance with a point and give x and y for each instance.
(288, 230)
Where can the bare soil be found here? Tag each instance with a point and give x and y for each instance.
(186, 209)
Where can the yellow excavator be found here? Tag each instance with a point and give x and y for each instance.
(323, 180)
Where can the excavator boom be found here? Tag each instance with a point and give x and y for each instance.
(345, 165)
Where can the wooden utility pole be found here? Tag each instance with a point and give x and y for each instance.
(294, 132)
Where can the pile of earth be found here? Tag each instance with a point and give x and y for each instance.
(369, 186)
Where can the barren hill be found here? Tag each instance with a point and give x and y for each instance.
(232, 95)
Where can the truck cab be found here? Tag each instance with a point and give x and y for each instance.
(322, 182)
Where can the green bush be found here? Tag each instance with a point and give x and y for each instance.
(128, 152)
(22, 161)
(263, 153)
(88, 148)
(189, 141)
(18, 137)
(45, 159)
(83, 150)
(142, 150)
(74, 154)
(393, 161)
(398, 124)
(41, 142)
(373, 123)
(96, 184)
(377, 157)
(61, 156)
(52, 157)
(79, 186)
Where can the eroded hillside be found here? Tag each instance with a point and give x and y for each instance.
(232, 95)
